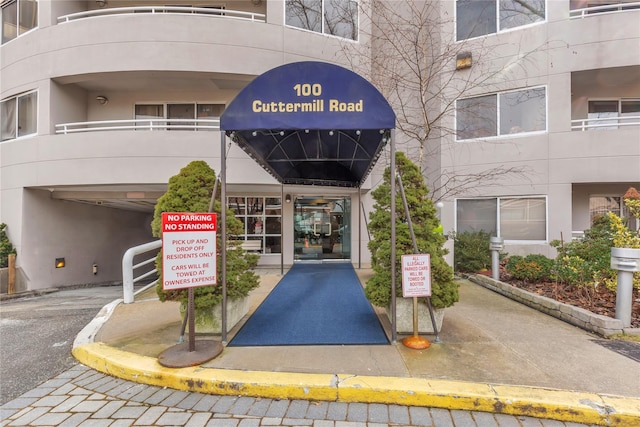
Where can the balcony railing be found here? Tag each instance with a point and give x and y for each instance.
(140, 124)
(179, 10)
(605, 8)
(605, 123)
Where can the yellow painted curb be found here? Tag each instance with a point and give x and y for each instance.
(585, 408)
(147, 370)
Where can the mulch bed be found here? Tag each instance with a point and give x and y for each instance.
(598, 300)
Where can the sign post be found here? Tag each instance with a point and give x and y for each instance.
(189, 261)
(416, 282)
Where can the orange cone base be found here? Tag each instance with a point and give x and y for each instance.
(416, 342)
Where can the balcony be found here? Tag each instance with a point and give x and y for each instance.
(214, 12)
(601, 7)
(159, 124)
(610, 121)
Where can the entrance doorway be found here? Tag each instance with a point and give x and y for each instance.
(322, 228)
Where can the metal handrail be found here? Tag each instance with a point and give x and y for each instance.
(599, 10)
(128, 279)
(180, 10)
(605, 122)
(139, 124)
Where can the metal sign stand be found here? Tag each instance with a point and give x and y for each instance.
(191, 353)
(415, 341)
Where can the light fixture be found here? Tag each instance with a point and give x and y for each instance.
(281, 133)
(463, 60)
(102, 100)
(101, 3)
(358, 132)
(254, 133)
(287, 198)
(330, 133)
(60, 263)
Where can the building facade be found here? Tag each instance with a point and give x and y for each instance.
(102, 101)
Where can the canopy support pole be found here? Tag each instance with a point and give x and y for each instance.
(222, 225)
(392, 149)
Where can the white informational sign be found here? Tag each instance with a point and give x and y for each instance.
(416, 275)
(188, 250)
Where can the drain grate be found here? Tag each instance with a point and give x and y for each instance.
(625, 348)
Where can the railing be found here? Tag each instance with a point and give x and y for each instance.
(605, 8)
(179, 10)
(605, 123)
(140, 124)
(128, 279)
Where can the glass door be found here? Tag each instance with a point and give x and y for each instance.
(321, 228)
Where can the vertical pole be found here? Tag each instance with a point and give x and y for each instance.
(495, 264)
(11, 286)
(624, 297)
(415, 247)
(359, 228)
(192, 322)
(222, 225)
(281, 230)
(392, 181)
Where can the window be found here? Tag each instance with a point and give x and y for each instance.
(18, 17)
(19, 116)
(501, 114)
(609, 113)
(601, 205)
(335, 17)
(512, 218)
(182, 115)
(262, 219)
(475, 18)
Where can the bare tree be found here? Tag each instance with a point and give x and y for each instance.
(408, 50)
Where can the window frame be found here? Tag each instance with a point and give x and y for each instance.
(262, 217)
(167, 119)
(498, 25)
(498, 230)
(322, 22)
(16, 130)
(18, 28)
(498, 123)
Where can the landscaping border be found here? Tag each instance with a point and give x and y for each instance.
(584, 319)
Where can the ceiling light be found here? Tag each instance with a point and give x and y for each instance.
(102, 100)
(101, 3)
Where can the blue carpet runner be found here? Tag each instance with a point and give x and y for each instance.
(314, 304)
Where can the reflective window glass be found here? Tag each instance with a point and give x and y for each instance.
(477, 117)
(335, 17)
(28, 114)
(516, 13)
(523, 219)
(476, 215)
(523, 111)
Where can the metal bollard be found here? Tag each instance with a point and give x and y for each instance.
(626, 261)
(496, 244)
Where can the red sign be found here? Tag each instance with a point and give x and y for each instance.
(188, 250)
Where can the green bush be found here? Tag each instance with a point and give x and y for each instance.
(471, 251)
(190, 191)
(426, 228)
(6, 247)
(531, 268)
(580, 262)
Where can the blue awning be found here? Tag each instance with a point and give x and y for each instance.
(311, 123)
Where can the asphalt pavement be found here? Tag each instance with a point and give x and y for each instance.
(37, 332)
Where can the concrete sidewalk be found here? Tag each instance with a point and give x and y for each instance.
(495, 355)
